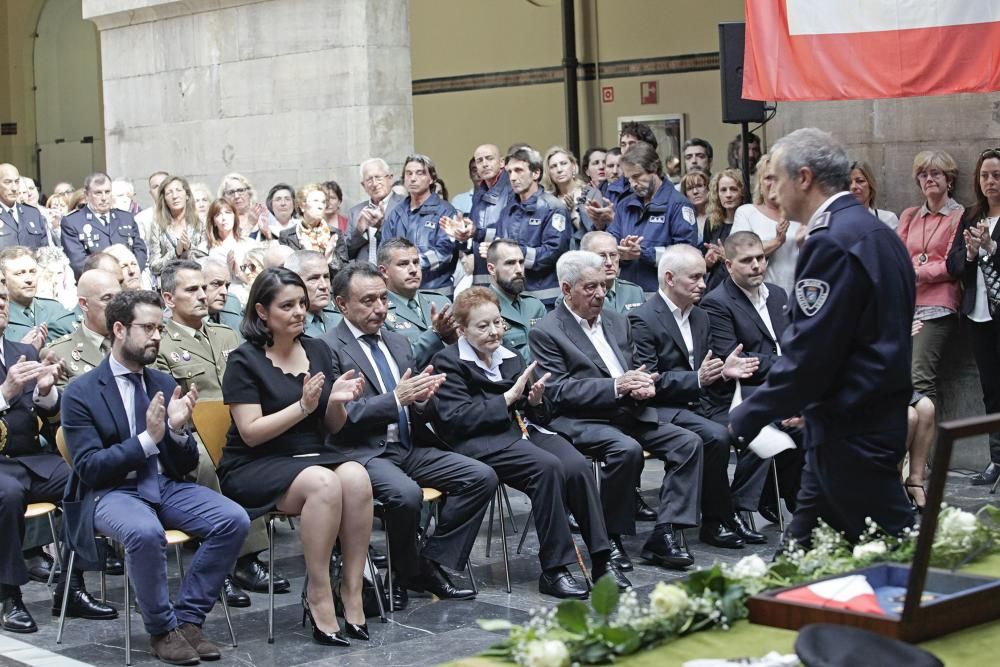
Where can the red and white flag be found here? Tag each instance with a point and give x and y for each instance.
(852, 592)
(865, 49)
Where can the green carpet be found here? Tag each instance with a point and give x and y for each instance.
(966, 648)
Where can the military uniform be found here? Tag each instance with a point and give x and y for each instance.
(317, 324)
(624, 296)
(48, 311)
(199, 357)
(81, 351)
(519, 315)
(412, 318)
(845, 367)
(230, 316)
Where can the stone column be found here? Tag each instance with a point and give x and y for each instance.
(888, 134)
(278, 90)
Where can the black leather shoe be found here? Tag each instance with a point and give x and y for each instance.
(736, 524)
(987, 476)
(379, 559)
(643, 512)
(114, 566)
(612, 568)
(574, 527)
(252, 575)
(665, 549)
(39, 567)
(433, 579)
(400, 597)
(16, 617)
(718, 535)
(769, 512)
(619, 555)
(82, 605)
(561, 584)
(235, 596)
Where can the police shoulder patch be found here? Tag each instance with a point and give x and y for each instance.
(811, 294)
(558, 222)
(689, 214)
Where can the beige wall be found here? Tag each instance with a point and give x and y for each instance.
(461, 37)
(17, 104)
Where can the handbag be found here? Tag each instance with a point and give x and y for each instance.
(369, 591)
(992, 279)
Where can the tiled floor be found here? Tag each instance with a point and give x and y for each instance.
(427, 632)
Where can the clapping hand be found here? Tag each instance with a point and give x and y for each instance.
(181, 407)
(418, 388)
(55, 368)
(443, 324)
(710, 369)
(781, 230)
(183, 243)
(601, 213)
(484, 247)
(630, 247)
(537, 390)
(23, 372)
(348, 387)
(714, 253)
(312, 387)
(638, 384)
(36, 336)
(515, 393)
(155, 425)
(459, 228)
(737, 367)
(263, 220)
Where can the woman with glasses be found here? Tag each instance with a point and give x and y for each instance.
(285, 400)
(176, 233)
(253, 216)
(974, 260)
(863, 188)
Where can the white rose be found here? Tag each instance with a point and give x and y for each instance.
(668, 600)
(955, 521)
(546, 653)
(876, 548)
(750, 567)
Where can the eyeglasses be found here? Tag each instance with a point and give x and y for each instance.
(371, 180)
(933, 173)
(236, 192)
(149, 327)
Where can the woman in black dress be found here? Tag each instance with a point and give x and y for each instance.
(284, 400)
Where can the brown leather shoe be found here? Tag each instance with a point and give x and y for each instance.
(173, 649)
(192, 633)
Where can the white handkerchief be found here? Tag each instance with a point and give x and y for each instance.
(770, 441)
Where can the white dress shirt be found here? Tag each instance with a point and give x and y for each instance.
(604, 350)
(358, 333)
(468, 353)
(759, 302)
(683, 319)
(127, 392)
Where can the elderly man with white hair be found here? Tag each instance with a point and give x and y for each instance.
(602, 397)
(364, 221)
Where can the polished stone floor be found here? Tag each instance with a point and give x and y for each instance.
(428, 632)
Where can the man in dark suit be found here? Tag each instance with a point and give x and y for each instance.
(29, 474)
(97, 226)
(20, 224)
(364, 220)
(600, 394)
(845, 363)
(672, 338)
(386, 432)
(745, 311)
(127, 431)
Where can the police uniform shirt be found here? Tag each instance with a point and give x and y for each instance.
(80, 351)
(22, 319)
(624, 296)
(520, 314)
(317, 324)
(197, 356)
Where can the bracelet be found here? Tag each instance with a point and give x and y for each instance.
(302, 407)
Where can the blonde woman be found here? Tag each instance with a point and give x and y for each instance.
(177, 232)
(241, 195)
(562, 179)
(312, 231)
(725, 195)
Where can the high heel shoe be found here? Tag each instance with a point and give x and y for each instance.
(353, 630)
(913, 501)
(319, 636)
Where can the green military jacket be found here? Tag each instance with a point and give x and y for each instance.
(415, 323)
(199, 359)
(519, 316)
(21, 320)
(79, 351)
(231, 315)
(317, 325)
(624, 296)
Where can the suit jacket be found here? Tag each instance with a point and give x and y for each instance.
(660, 346)
(103, 450)
(30, 230)
(734, 321)
(354, 246)
(83, 234)
(960, 267)
(581, 387)
(363, 436)
(471, 413)
(19, 422)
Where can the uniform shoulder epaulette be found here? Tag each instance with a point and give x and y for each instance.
(820, 223)
(431, 294)
(62, 339)
(627, 283)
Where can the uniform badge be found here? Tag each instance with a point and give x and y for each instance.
(689, 215)
(74, 367)
(87, 228)
(76, 356)
(558, 222)
(534, 222)
(533, 321)
(822, 222)
(430, 224)
(176, 358)
(185, 355)
(87, 368)
(391, 318)
(657, 219)
(811, 295)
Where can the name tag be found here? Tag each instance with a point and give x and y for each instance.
(535, 221)
(430, 224)
(657, 219)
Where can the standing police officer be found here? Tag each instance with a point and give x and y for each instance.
(845, 364)
(97, 226)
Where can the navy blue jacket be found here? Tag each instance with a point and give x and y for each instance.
(83, 234)
(488, 205)
(668, 219)
(103, 451)
(20, 419)
(845, 362)
(617, 190)
(31, 232)
(438, 251)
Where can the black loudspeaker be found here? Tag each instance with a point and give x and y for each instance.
(735, 109)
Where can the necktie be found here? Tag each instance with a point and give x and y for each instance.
(104, 219)
(105, 347)
(415, 307)
(148, 484)
(382, 367)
